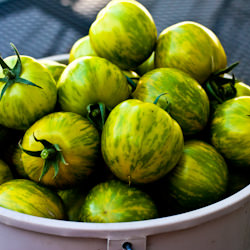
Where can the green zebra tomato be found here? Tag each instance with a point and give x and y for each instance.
(82, 47)
(60, 150)
(140, 142)
(230, 130)
(26, 196)
(124, 32)
(91, 80)
(200, 177)
(28, 92)
(185, 100)
(114, 201)
(191, 47)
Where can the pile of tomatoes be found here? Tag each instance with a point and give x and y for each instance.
(135, 127)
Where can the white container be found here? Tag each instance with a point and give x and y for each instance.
(224, 225)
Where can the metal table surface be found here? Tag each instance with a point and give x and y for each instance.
(50, 27)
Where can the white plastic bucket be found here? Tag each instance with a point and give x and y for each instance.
(224, 225)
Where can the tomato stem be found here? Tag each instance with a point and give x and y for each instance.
(13, 75)
(221, 87)
(8, 73)
(131, 83)
(51, 154)
(48, 153)
(167, 106)
(97, 114)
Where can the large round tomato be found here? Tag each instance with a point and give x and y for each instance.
(140, 142)
(22, 104)
(82, 47)
(89, 80)
(200, 177)
(185, 100)
(66, 147)
(114, 201)
(191, 47)
(230, 130)
(26, 196)
(124, 32)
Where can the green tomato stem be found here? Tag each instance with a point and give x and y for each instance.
(12, 76)
(97, 114)
(48, 153)
(131, 83)
(9, 73)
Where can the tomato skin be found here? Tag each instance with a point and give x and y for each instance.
(78, 140)
(140, 142)
(185, 100)
(242, 89)
(200, 177)
(230, 131)
(5, 172)
(191, 47)
(89, 80)
(73, 200)
(26, 196)
(21, 105)
(55, 68)
(147, 65)
(82, 47)
(114, 201)
(124, 32)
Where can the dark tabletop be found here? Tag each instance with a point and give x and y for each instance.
(48, 27)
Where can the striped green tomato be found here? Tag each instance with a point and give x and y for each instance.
(114, 201)
(78, 141)
(26, 196)
(5, 172)
(124, 32)
(21, 105)
(191, 47)
(140, 142)
(82, 47)
(185, 100)
(89, 80)
(230, 130)
(200, 177)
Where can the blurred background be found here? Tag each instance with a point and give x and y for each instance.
(49, 27)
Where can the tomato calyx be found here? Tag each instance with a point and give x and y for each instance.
(51, 154)
(13, 75)
(131, 82)
(97, 114)
(220, 86)
(167, 105)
